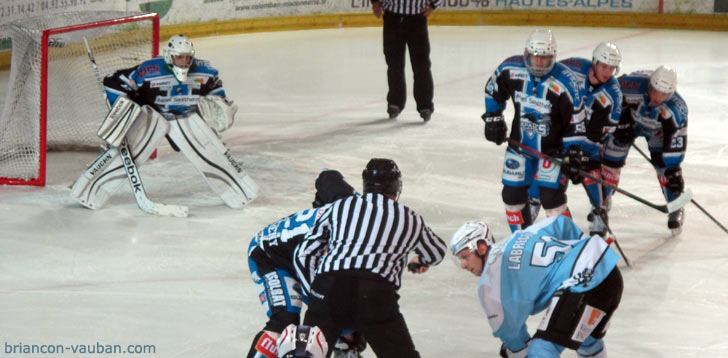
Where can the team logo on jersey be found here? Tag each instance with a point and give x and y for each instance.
(603, 100)
(553, 87)
(148, 70)
(512, 164)
(533, 103)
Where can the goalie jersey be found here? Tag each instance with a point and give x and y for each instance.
(665, 126)
(549, 112)
(524, 271)
(276, 243)
(153, 83)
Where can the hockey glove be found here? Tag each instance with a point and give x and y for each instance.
(675, 183)
(574, 160)
(495, 127)
(218, 112)
(624, 133)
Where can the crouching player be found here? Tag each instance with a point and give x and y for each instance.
(550, 266)
(176, 96)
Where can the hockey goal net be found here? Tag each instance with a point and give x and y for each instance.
(54, 101)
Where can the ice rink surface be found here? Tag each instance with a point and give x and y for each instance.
(316, 99)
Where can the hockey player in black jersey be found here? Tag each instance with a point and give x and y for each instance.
(270, 259)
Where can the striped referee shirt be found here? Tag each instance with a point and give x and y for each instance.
(409, 7)
(369, 232)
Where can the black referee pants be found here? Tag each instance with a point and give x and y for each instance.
(364, 302)
(408, 31)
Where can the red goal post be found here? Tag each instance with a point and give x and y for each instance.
(54, 100)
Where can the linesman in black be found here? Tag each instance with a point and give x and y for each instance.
(360, 273)
(405, 25)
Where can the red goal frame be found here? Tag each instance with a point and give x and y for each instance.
(40, 180)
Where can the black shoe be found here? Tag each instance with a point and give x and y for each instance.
(393, 111)
(675, 221)
(426, 114)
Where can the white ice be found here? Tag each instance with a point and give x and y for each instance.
(316, 99)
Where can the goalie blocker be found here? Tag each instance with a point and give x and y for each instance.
(145, 130)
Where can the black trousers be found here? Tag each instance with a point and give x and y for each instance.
(364, 302)
(408, 31)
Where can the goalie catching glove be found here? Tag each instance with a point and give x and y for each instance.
(218, 112)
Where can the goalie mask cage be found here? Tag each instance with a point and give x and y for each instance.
(54, 101)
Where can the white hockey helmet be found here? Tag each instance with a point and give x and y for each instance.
(179, 54)
(664, 79)
(608, 54)
(302, 342)
(540, 43)
(468, 236)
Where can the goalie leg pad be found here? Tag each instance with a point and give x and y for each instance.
(210, 157)
(104, 176)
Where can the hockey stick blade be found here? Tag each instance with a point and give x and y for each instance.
(662, 208)
(143, 201)
(680, 201)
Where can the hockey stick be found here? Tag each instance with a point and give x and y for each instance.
(644, 155)
(132, 173)
(614, 239)
(667, 208)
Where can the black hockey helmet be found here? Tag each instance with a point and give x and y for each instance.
(331, 186)
(382, 176)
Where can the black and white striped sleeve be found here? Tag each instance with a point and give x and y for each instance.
(306, 259)
(430, 247)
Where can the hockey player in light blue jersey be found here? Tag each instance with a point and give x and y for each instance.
(270, 260)
(603, 104)
(551, 266)
(547, 99)
(177, 97)
(654, 110)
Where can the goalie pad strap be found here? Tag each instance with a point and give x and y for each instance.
(117, 123)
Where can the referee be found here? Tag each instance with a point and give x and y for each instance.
(366, 240)
(405, 25)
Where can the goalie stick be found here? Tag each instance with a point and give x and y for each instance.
(644, 155)
(671, 206)
(132, 173)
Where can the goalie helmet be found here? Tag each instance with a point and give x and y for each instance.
(382, 176)
(664, 79)
(468, 236)
(302, 342)
(331, 186)
(178, 54)
(540, 43)
(608, 53)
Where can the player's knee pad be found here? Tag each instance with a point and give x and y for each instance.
(104, 176)
(552, 198)
(514, 195)
(225, 176)
(264, 345)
